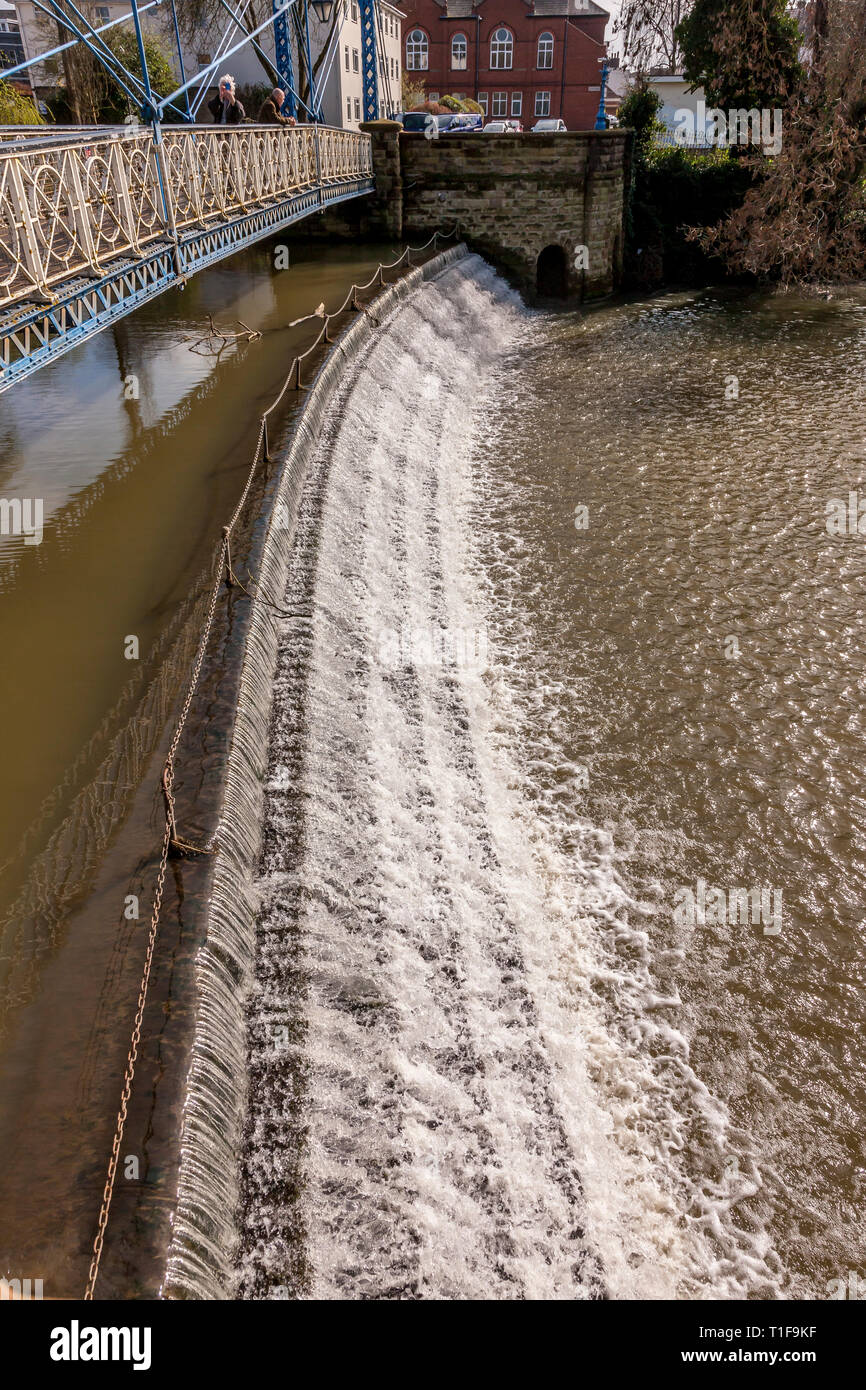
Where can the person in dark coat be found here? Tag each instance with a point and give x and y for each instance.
(271, 109)
(225, 108)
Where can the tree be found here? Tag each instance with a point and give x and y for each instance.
(639, 112)
(804, 220)
(648, 33)
(17, 109)
(84, 75)
(412, 93)
(744, 53)
(123, 44)
(209, 16)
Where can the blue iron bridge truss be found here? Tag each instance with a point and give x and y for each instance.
(96, 221)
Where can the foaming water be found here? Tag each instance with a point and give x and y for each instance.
(468, 1077)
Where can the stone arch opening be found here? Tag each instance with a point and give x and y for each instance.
(551, 273)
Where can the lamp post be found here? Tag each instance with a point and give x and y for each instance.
(323, 10)
(600, 122)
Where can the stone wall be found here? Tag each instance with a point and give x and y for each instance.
(513, 195)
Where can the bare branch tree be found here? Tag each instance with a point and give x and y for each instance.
(196, 16)
(805, 218)
(647, 30)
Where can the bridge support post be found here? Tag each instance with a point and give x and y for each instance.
(152, 115)
(283, 54)
(369, 62)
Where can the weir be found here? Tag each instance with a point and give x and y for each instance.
(201, 1261)
(319, 1126)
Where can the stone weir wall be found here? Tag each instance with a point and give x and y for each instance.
(514, 196)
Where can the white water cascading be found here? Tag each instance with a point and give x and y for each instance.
(402, 1080)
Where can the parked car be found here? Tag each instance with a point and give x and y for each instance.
(550, 125)
(496, 128)
(416, 122)
(515, 127)
(464, 123)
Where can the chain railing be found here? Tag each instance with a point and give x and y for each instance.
(70, 204)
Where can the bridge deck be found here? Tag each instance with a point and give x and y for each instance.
(92, 224)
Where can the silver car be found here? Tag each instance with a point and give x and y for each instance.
(551, 125)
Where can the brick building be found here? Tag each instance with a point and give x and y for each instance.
(518, 58)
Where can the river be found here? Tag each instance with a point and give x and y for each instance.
(561, 894)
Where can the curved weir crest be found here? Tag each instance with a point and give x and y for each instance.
(394, 1087)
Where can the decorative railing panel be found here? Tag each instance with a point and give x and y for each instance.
(70, 204)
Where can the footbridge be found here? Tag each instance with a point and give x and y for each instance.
(95, 223)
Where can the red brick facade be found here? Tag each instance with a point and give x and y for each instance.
(523, 78)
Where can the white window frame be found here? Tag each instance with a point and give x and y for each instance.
(482, 102)
(348, 108)
(357, 108)
(417, 51)
(501, 49)
(544, 55)
(499, 108)
(458, 59)
(542, 104)
(347, 57)
(517, 103)
(356, 60)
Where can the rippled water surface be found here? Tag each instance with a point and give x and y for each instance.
(688, 677)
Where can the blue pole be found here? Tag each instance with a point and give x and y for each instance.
(147, 111)
(600, 122)
(283, 55)
(314, 105)
(368, 60)
(180, 58)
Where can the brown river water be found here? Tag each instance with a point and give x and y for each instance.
(693, 710)
(652, 777)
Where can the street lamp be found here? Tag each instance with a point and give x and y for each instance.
(323, 10)
(600, 122)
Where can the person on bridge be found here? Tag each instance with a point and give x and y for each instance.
(225, 108)
(271, 109)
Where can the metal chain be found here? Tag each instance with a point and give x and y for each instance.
(170, 837)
